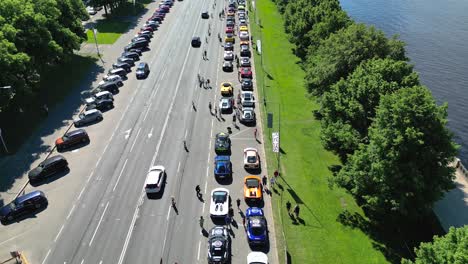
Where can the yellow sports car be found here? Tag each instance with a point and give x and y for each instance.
(252, 188)
(226, 89)
(243, 28)
(229, 38)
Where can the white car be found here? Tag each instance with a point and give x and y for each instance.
(228, 55)
(219, 202)
(91, 10)
(112, 79)
(155, 179)
(100, 95)
(246, 115)
(257, 257)
(244, 35)
(225, 104)
(251, 158)
(247, 99)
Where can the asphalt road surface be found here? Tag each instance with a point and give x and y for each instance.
(99, 212)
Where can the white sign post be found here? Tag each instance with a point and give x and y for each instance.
(276, 141)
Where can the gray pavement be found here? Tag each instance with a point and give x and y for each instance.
(98, 213)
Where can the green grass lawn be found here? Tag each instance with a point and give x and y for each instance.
(109, 30)
(319, 238)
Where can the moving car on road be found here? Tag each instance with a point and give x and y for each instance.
(205, 15)
(251, 158)
(222, 143)
(256, 226)
(219, 245)
(47, 168)
(142, 70)
(87, 117)
(252, 189)
(155, 179)
(72, 138)
(222, 166)
(219, 206)
(23, 205)
(196, 42)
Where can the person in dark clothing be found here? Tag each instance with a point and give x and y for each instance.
(288, 207)
(296, 210)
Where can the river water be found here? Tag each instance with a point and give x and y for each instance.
(436, 34)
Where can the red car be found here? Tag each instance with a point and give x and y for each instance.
(146, 28)
(229, 30)
(245, 72)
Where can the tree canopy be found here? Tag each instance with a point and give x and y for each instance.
(449, 249)
(404, 168)
(349, 106)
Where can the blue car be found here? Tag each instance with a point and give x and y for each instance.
(222, 167)
(23, 205)
(256, 226)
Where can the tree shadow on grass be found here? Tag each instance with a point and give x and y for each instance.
(395, 239)
(24, 130)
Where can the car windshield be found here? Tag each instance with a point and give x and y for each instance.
(219, 197)
(247, 97)
(81, 116)
(141, 67)
(252, 183)
(221, 168)
(12, 205)
(218, 252)
(251, 159)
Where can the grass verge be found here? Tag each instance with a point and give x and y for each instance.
(318, 236)
(56, 83)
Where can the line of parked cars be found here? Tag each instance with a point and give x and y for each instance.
(97, 101)
(219, 241)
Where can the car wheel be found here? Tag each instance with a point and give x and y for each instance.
(99, 118)
(120, 84)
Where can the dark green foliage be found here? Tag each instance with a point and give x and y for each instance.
(449, 249)
(343, 51)
(349, 106)
(404, 168)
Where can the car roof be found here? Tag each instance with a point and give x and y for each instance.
(222, 158)
(142, 64)
(92, 111)
(103, 92)
(250, 150)
(254, 211)
(53, 159)
(76, 132)
(28, 196)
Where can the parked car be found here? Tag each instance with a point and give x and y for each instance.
(222, 143)
(138, 51)
(71, 138)
(99, 96)
(47, 168)
(155, 179)
(23, 205)
(246, 85)
(252, 189)
(247, 99)
(101, 105)
(137, 44)
(131, 55)
(126, 60)
(122, 65)
(229, 46)
(246, 115)
(222, 166)
(257, 257)
(245, 62)
(227, 66)
(251, 158)
(229, 38)
(219, 245)
(228, 55)
(88, 117)
(219, 206)
(91, 10)
(245, 72)
(112, 79)
(196, 42)
(119, 71)
(245, 51)
(256, 226)
(109, 87)
(142, 70)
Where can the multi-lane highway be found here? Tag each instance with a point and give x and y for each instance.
(99, 212)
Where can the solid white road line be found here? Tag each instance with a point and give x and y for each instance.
(136, 138)
(178, 168)
(132, 225)
(46, 256)
(168, 213)
(199, 245)
(99, 223)
(58, 234)
(118, 179)
(82, 261)
(71, 211)
(90, 176)
(81, 193)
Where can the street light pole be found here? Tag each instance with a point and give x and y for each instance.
(95, 41)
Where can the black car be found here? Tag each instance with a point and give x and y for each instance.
(230, 23)
(229, 46)
(246, 85)
(222, 143)
(205, 15)
(119, 71)
(140, 44)
(127, 67)
(144, 36)
(140, 38)
(132, 55)
(219, 245)
(23, 205)
(101, 105)
(129, 61)
(110, 87)
(245, 51)
(138, 51)
(227, 66)
(48, 168)
(142, 70)
(196, 42)
(71, 138)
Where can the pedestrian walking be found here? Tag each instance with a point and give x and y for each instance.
(234, 119)
(208, 83)
(185, 146)
(288, 207)
(209, 107)
(272, 182)
(216, 111)
(243, 222)
(264, 180)
(201, 221)
(193, 106)
(228, 221)
(46, 109)
(296, 210)
(238, 201)
(231, 212)
(255, 133)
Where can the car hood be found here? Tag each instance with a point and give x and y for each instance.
(252, 192)
(35, 172)
(257, 257)
(76, 119)
(89, 100)
(219, 208)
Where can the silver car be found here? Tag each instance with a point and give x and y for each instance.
(88, 117)
(247, 115)
(225, 104)
(228, 55)
(112, 79)
(245, 62)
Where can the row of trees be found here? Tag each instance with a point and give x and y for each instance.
(35, 34)
(387, 129)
